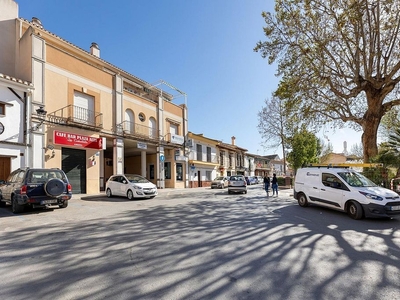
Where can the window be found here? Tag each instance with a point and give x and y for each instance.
(208, 154)
(167, 170)
(199, 149)
(83, 108)
(129, 124)
(208, 175)
(142, 117)
(179, 172)
(221, 158)
(2, 109)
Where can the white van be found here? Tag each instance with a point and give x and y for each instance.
(346, 190)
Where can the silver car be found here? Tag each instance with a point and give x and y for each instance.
(237, 184)
(220, 182)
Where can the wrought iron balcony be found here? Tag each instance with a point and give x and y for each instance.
(134, 130)
(76, 116)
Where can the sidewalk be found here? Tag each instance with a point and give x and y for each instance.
(283, 190)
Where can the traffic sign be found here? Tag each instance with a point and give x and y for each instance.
(162, 157)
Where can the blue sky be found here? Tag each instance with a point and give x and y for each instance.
(202, 47)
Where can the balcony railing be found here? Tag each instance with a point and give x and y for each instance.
(131, 129)
(77, 116)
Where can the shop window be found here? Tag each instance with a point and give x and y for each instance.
(167, 170)
(179, 172)
(151, 171)
(208, 175)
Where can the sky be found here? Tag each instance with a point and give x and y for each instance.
(204, 48)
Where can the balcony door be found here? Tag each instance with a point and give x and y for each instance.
(83, 108)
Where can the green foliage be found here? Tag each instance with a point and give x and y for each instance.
(304, 149)
(336, 60)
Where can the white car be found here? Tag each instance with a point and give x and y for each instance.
(130, 186)
(237, 184)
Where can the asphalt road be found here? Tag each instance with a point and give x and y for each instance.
(197, 244)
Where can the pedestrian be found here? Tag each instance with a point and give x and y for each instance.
(274, 185)
(266, 184)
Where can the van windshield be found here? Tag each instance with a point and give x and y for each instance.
(356, 179)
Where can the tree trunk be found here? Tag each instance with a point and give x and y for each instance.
(369, 136)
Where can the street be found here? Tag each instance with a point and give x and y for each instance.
(197, 244)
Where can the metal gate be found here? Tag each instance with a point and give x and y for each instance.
(74, 165)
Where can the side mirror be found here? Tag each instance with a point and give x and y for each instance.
(124, 181)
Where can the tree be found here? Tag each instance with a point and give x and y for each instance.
(304, 145)
(274, 126)
(338, 60)
(326, 149)
(356, 150)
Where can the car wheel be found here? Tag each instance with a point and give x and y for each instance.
(302, 200)
(15, 207)
(64, 205)
(229, 192)
(54, 187)
(355, 210)
(245, 192)
(108, 192)
(129, 194)
(2, 204)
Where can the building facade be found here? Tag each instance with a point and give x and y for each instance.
(88, 117)
(203, 160)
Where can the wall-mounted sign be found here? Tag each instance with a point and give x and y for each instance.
(77, 140)
(142, 145)
(177, 139)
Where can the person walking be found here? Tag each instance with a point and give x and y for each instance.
(274, 185)
(266, 184)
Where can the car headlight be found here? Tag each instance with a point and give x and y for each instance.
(372, 196)
(137, 187)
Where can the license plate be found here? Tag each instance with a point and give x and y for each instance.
(395, 207)
(48, 201)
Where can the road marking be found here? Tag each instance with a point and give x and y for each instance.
(304, 219)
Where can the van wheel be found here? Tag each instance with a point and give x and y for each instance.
(302, 200)
(355, 210)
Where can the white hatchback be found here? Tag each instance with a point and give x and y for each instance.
(130, 186)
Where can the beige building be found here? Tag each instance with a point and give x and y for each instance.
(203, 160)
(232, 159)
(95, 119)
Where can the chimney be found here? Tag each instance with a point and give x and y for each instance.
(95, 50)
(233, 140)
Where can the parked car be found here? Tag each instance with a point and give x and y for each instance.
(35, 188)
(345, 190)
(220, 182)
(130, 186)
(237, 184)
(250, 180)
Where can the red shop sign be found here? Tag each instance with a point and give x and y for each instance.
(77, 140)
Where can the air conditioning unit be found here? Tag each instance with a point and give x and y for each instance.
(189, 143)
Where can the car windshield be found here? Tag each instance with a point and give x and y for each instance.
(356, 179)
(219, 178)
(136, 178)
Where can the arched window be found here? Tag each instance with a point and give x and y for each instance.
(129, 124)
(152, 128)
